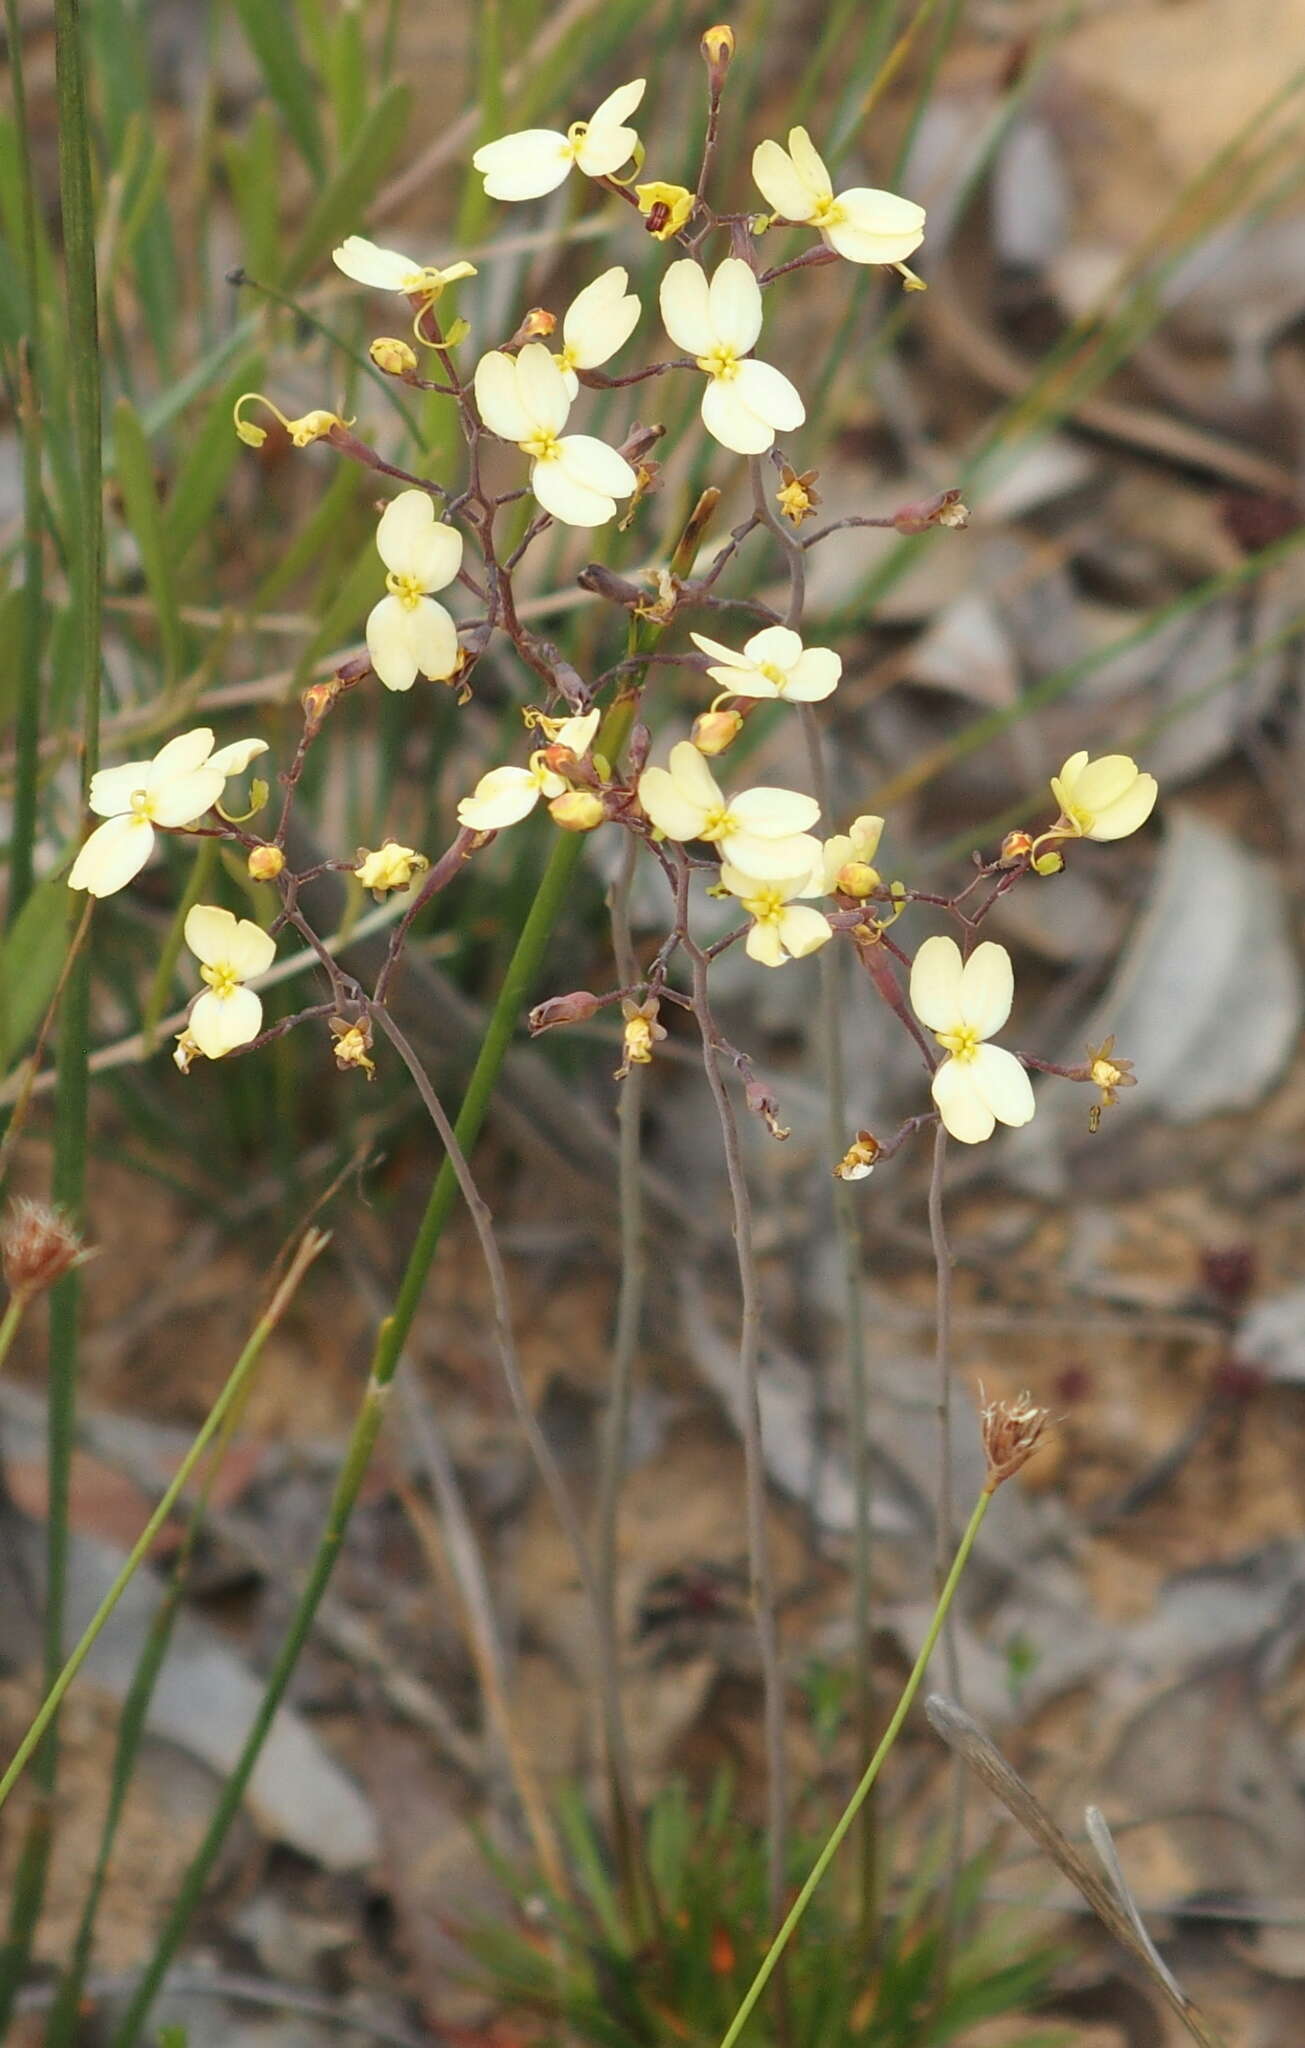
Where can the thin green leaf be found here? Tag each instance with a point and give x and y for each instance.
(134, 463)
(202, 476)
(344, 200)
(273, 38)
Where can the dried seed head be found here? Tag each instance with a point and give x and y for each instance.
(38, 1245)
(1012, 1431)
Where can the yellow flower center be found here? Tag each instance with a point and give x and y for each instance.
(717, 824)
(773, 675)
(722, 363)
(406, 588)
(543, 446)
(1106, 1074)
(142, 805)
(566, 358)
(767, 906)
(830, 213)
(223, 980)
(962, 1044)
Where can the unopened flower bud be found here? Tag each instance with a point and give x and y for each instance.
(713, 731)
(576, 1008)
(265, 863)
(717, 49)
(318, 699)
(1015, 847)
(856, 878)
(1012, 1431)
(395, 357)
(859, 1159)
(538, 323)
(38, 1245)
(577, 810)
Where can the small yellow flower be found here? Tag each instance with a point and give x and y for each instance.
(407, 632)
(964, 1003)
(642, 1032)
(395, 357)
(1109, 1075)
(506, 795)
(386, 270)
(313, 426)
(390, 867)
(666, 208)
(764, 833)
(797, 496)
(353, 1044)
(526, 399)
(773, 663)
(1105, 799)
(781, 929)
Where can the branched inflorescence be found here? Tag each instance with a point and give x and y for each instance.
(758, 847)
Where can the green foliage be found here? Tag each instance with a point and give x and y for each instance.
(581, 1969)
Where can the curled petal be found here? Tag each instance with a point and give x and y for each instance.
(218, 1024)
(809, 164)
(1101, 783)
(936, 984)
(578, 733)
(685, 304)
(803, 930)
(115, 852)
(500, 798)
(962, 1108)
(987, 989)
(524, 165)
(235, 758)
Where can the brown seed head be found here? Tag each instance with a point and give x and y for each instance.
(38, 1245)
(1012, 1431)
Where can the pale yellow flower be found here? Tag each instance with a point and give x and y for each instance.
(407, 632)
(746, 402)
(230, 950)
(536, 160)
(598, 321)
(861, 224)
(762, 832)
(963, 1003)
(184, 779)
(773, 663)
(506, 795)
(1105, 799)
(524, 398)
(386, 270)
(781, 928)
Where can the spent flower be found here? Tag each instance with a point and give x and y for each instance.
(38, 1245)
(718, 323)
(1011, 1431)
(963, 1002)
(390, 866)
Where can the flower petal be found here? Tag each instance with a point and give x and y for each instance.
(540, 388)
(184, 798)
(1103, 782)
(391, 643)
(252, 950)
(685, 302)
(218, 1024)
(778, 645)
(771, 860)
(814, 675)
(1003, 1085)
(763, 943)
(500, 798)
(566, 499)
(693, 777)
(803, 930)
(578, 733)
(879, 227)
(733, 423)
(236, 757)
(590, 463)
(781, 184)
(809, 164)
(524, 165)
(962, 1108)
(735, 305)
(1127, 812)
(774, 814)
(411, 541)
(987, 989)
(619, 104)
(497, 399)
(719, 652)
(112, 789)
(385, 270)
(600, 319)
(210, 933)
(671, 810)
(434, 641)
(936, 984)
(770, 395)
(115, 852)
(1069, 774)
(187, 751)
(604, 148)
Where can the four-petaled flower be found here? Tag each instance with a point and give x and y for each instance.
(963, 1003)
(861, 224)
(781, 929)
(774, 663)
(1105, 799)
(386, 270)
(508, 794)
(598, 321)
(746, 402)
(535, 160)
(184, 780)
(524, 399)
(407, 632)
(764, 833)
(229, 951)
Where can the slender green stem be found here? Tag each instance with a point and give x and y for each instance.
(862, 1792)
(28, 733)
(13, 1316)
(231, 1392)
